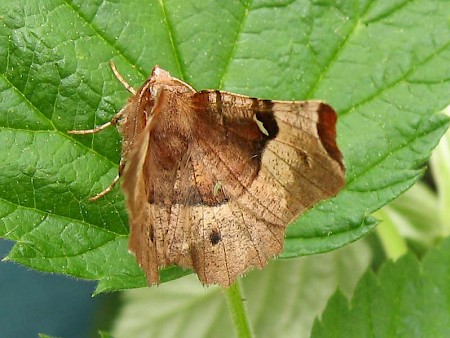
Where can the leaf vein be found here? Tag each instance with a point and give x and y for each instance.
(335, 56)
(244, 17)
(173, 44)
(104, 38)
(396, 81)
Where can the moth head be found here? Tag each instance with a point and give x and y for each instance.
(159, 74)
(161, 79)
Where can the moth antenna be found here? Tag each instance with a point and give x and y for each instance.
(106, 191)
(121, 79)
(115, 119)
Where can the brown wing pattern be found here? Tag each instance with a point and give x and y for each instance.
(217, 197)
(294, 171)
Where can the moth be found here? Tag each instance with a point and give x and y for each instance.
(213, 178)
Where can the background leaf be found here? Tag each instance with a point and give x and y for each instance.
(379, 63)
(406, 299)
(440, 165)
(285, 308)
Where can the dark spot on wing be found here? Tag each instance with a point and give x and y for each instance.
(152, 234)
(326, 128)
(215, 237)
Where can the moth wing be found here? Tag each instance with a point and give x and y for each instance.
(272, 161)
(250, 168)
(141, 214)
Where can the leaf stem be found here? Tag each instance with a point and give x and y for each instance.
(237, 310)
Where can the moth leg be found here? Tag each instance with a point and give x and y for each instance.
(116, 117)
(107, 190)
(112, 122)
(121, 79)
(113, 183)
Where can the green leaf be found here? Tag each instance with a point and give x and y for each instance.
(281, 300)
(380, 64)
(406, 299)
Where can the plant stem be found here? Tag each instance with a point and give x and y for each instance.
(237, 310)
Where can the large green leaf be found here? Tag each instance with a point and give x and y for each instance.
(406, 299)
(379, 63)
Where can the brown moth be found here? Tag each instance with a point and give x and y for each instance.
(212, 178)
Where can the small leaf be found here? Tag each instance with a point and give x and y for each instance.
(406, 299)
